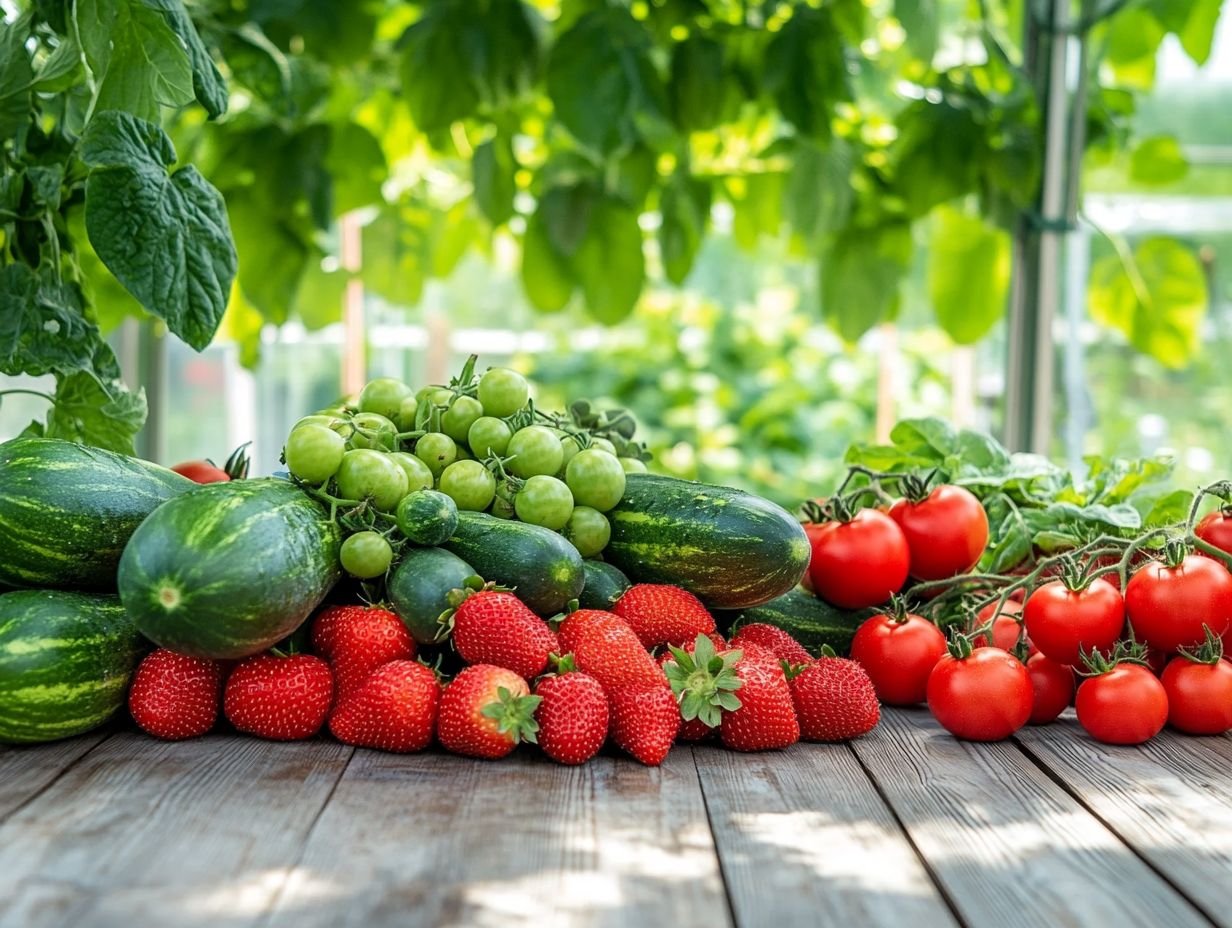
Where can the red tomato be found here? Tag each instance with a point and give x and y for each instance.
(859, 563)
(1052, 686)
(811, 529)
(898, 656)
(946, 532)
(201, 472)
(1215, 528)
(1167, 606)
(1005, 630)
(984, 697)
(1126, 705)
(1062, 622)
(1199, 696)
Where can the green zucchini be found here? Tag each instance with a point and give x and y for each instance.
(604, 585)
(811, 621)
(420, 585)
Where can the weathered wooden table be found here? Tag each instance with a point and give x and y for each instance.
(906, 828)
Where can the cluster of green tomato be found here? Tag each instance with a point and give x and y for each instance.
(477, 446)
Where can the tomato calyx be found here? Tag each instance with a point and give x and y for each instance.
(1125, 652)
(916, 489)
(896, 611)
(960, 646)
(1175, 551)
(238, 462)
(1210, 652)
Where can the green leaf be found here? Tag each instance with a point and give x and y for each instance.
(318, 302)
(163, 235)
(208, 85)
(968, 274)
(492, 173)
(242, 323)
(1158, 161)
(356, 165)
(87, 412)
(1156, 296)
(454, 230)
(806, 70)
(273, 256)
(42, 329)
(684, 209)
(16, 76)
(609, 263)
(1168, 509)
(566, 214)
(860, 274)
(435, 83)
(818, 196)
(919, 19)
(136, 61)
(397, 252)
(603, 83)
(937, 154)
(759, 210)
(547, 277)
(1198, 33)
(696, 76)
(1133, 40)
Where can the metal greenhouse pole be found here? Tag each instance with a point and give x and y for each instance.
(1055, 59)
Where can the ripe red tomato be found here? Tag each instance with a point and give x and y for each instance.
(1215, 528)
(1005, 629)
(946, 532)
(811, 529)
(201, 472)
(1062, 622)
(898, 656)
(1167, 606)
(1126, 705)
(1052, 686)
(1199, 696)
(859, 563)
(984, 697)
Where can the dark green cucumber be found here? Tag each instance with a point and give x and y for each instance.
(229, 569)
(544, 569)
(66, 660)
(729, 548)
(67, 510)
(420, 585)
(811, 621)
(604, 585)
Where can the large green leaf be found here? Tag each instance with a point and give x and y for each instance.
(492, 174)
(1158, 161)
(546, 275)
(1156, 296)
(208, 85)
(968, 273)
(684, 214)
(696, 79)
(1133, 41)
(860, 274)
(397, 252)
(938, 154)
(806, 70)
(16, 76)
(86, 412)
(758, 201)
(356, 165)
(919, 19)
(819, 195)
(164, 235)
(609, 263)
(42, 329)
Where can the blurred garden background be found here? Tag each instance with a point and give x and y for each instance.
(769, 228)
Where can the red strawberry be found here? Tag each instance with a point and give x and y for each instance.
(494, 627)
(766, 718)
(356, 640)
(774, 639)
(610, 652)
(485, 712)
(644, 721)
(662, 614)
(282, 698)
(174, 696)
(703, 681)
(573, 716)
(834, 700)
(578, 623)
(393, 710)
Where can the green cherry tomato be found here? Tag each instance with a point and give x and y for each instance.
(337, 412)
(314, 452)
(502, 508)
(406, 414)
(633, 465)
(544, 501)
(330, 422)
(365, 555)
(469, 484)
(588, 530)
(596, 479)
(503, 392)
(372, 430)
(535, 450)
(368, 474)
(603, 445)
(457, 420)
(569, 445)
(384, 396)
(489, 435)
(437, 450)
(427, 517)
(418, 476)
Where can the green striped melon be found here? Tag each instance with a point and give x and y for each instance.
(729, 548)
(229, 569)
(66, 660)
(67, 510)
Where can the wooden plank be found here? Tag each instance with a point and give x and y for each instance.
(141, 832)
(1170, 799)
(1007, 844)
(805, 839)
(27, 771)
(443, 840)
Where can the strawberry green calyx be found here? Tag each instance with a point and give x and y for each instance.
(562, 663)
(704, 682)
(514, 715)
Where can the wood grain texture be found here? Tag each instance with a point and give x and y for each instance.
(141, 832)
(805, 839)
(1008, 845)
(433, 839)
(27, 771)
(1171, 799)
